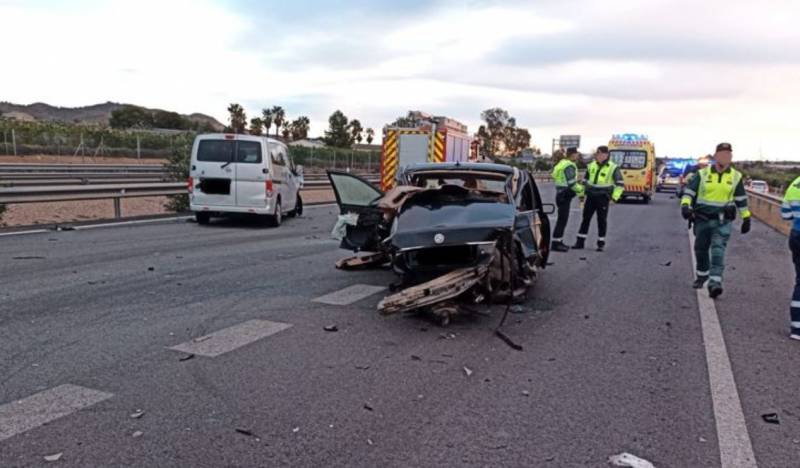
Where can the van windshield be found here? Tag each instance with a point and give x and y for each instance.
(629, 159)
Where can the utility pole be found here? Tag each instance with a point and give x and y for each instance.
(14, 141)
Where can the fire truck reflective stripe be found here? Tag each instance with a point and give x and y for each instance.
(438, 148)
(389, 164)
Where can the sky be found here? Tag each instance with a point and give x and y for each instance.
(688, 74)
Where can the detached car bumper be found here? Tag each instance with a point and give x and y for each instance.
(265, 210)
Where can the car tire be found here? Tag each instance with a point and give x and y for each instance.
(276, 219)
(202, 217)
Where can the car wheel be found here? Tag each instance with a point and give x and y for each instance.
(202, 217)
(276, 219)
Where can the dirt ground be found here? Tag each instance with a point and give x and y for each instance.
(42, 159)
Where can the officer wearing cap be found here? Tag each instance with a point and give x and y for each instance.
(565, 176)
(604, 183)
(711, 200)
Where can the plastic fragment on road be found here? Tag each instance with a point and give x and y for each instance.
(771, 418)
(342, 221)
(54, 457)
(628, 460)
(137, 434)
(137, 414)
(186, 357)
(330, 328)
(296, 430)
(467, 371)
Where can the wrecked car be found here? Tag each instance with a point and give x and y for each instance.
(457, 234)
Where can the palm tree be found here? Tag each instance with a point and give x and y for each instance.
(237, 117)
(256, 126)
(356, 130)
(300, 127)
(266, 117)
(278, 117)
(370, 136)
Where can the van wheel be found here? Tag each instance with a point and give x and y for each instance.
(646, 199)
(202, 217)
(276, 219)
(298, 207)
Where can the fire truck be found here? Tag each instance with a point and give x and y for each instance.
(425, 139)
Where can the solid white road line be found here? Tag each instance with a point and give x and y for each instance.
(127, 223)
(31, 412)
(349, 294)
(735, 447)
(22, 233)
(228, 339)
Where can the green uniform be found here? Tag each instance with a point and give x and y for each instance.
(565, 176)
(713, 194)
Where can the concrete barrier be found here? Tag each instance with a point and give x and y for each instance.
(767, 209)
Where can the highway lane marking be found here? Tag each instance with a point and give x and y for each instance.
(231, 338)
(349, 294)
(735, 447)
(127, 223)
(41, 408)
(22, 233)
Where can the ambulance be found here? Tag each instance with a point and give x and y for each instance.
(636, 157)
(424, 139)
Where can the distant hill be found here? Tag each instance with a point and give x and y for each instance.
(97, 114)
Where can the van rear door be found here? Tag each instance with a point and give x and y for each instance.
(251, 173)
(214, 172)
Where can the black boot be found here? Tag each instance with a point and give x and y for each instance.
(699, 282)
(714, 290)
(601, 245)
(579, 243)
(559, 246)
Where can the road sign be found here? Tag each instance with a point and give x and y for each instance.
(569, 141)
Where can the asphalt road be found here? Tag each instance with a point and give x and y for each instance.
(613, 361)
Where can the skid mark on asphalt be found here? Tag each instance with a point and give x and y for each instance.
(349, 294)
(43, 407)
(231, 338)
(735, 447)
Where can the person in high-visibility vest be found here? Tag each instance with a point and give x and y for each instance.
(711, 201)
(603, 183)
(790, 210)
(565, 176)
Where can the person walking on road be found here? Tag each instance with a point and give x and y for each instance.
(790, 210)
(710, 201)
(565, 176)
(603, 183)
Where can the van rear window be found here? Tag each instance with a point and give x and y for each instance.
(629, 159)
(247, 152)
(216, 150)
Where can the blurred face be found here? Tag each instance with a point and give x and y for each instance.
(601, 157)
(723, 158)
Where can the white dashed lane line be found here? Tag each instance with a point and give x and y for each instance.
(735, 447)
(229, 339)
(349, 294)
(41, 408)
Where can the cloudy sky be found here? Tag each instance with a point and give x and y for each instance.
(686, 73)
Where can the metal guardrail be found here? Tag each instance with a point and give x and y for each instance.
(767, 208)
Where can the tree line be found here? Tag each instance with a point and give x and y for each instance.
(135, 117)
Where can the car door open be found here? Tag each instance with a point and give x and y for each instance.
(360, 216)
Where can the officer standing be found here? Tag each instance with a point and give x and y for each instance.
(711, 200)
(790, 210)
(565, 176)
(603, 183)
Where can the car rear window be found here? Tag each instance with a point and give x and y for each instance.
(248, 152)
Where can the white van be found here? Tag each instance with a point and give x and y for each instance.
(243, 174)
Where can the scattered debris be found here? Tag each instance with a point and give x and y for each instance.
(368, 407)
(64, 228)
(296, 430)
(137, 434)
(702, 439)
(137, 414)
(771, 418)
(518, 309)
(582, 258)
(666, 264)
(362, 367)
(28, 257)
(246, 432)
(526, 393)
(151, 269)
(330, 328)
(414, 357)
(630, 461)
(54, 457)
(202, 338)
(186, 358)
(370, 442)
(467, 371)
(508, 340)
(586, 317)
